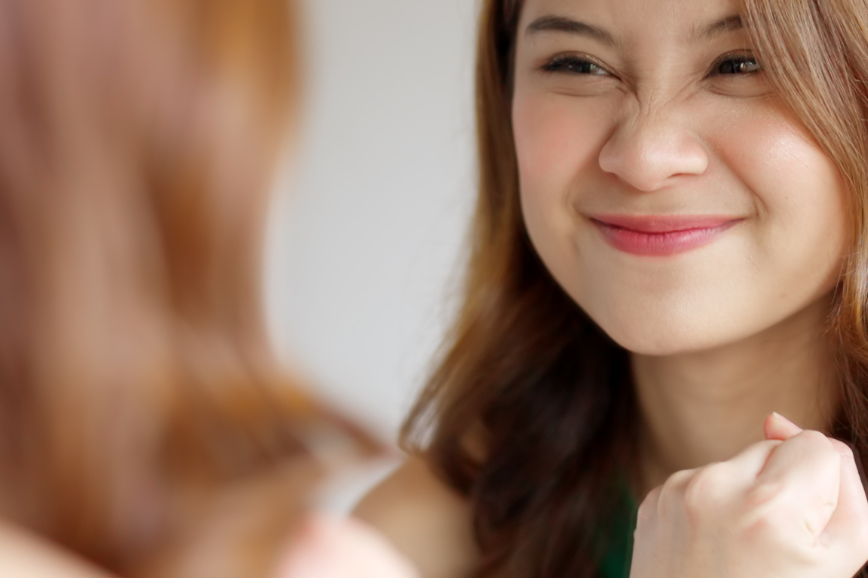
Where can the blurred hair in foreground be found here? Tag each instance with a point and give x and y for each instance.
(144, 423)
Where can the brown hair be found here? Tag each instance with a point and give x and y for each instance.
(530, 412)
(141, 415)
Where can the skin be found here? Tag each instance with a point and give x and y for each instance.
(329, 547)
(426, 521)
(721, 335)
(655, 130)
(26, 554)
(655, 117)
(792, 506)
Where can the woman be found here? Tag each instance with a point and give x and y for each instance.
(668, 247)
(146, 429)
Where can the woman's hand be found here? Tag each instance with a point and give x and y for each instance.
(342, 548)
(792, 506)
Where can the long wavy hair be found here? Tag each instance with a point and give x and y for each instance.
(143, 421)
(531, 412)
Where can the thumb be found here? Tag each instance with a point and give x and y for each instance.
(777, 427)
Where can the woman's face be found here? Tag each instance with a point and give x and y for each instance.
(665, 186)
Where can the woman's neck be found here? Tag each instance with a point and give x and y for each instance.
(704, 407)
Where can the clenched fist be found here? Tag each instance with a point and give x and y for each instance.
(792, 506)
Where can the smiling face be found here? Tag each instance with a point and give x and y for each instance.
(664, 185)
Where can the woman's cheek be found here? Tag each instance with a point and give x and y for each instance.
(799, 196)
(558, 140)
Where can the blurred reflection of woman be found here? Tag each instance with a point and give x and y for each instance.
(145, 427)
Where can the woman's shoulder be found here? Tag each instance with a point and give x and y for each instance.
(426, 520)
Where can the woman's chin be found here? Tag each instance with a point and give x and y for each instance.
(663, 339)
(656, 348)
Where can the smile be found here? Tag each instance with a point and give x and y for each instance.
(661, 236)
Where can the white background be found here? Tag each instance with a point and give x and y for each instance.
(367, 232)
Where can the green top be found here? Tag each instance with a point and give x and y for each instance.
(618, 554)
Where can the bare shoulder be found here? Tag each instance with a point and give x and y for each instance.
(425, 519)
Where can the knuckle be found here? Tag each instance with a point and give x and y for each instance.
(672, 488)
(760, 524)
(704, 492)
(763, 495)
(766, 526)
(844, 450)
(670, 495)
(678, 479)
(815, 438)
(771, 516)
(821, 450)
(648, 509)
(769, 445)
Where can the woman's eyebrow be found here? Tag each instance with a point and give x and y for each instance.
(732, 23)
(566, 25)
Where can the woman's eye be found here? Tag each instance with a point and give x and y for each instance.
(574, 65)
(731, 65)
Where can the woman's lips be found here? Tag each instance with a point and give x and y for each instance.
(661, 235)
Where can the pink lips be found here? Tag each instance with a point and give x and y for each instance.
(661, 235)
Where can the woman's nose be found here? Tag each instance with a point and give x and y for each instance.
(649, 152)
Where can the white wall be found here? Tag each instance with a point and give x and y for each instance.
(363, 252)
